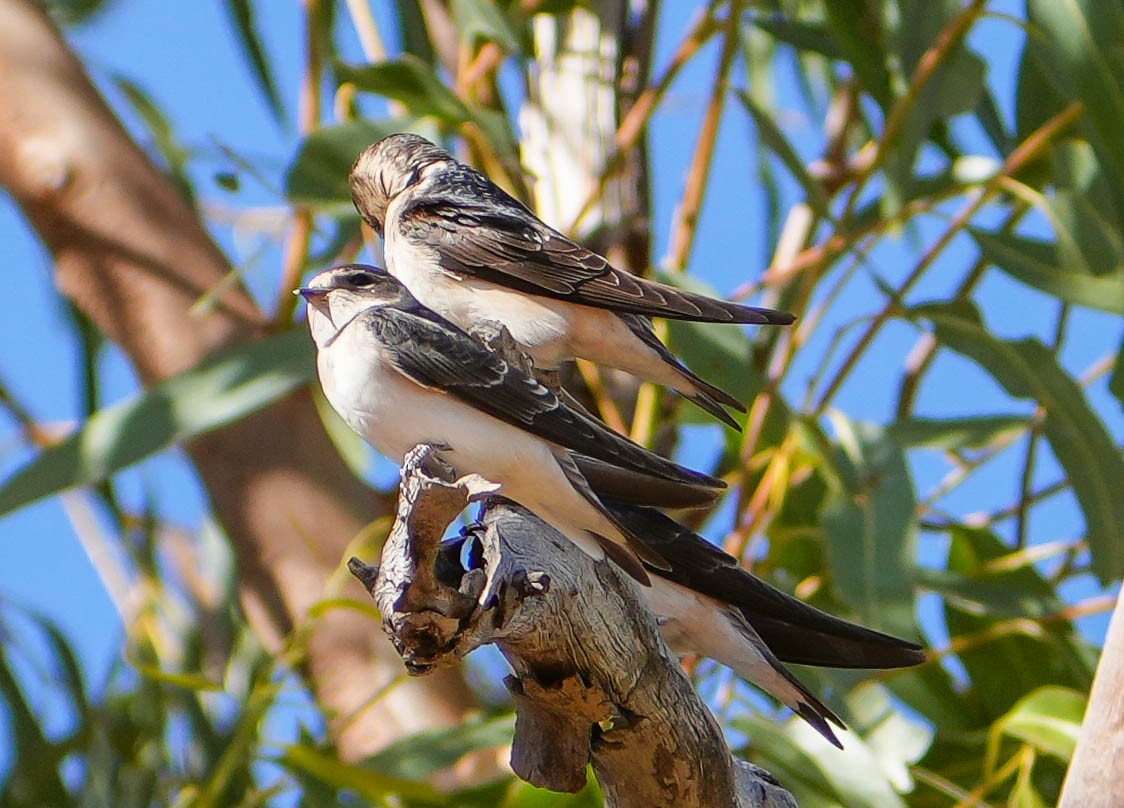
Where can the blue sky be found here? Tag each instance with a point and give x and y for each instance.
(198, 77)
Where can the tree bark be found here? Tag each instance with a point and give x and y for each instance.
(134, 257)
(1096, 774)
(594, 682)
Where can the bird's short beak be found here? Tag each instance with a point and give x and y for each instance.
(316, 298)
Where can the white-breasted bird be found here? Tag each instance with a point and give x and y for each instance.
(469, 251)
(401, 375)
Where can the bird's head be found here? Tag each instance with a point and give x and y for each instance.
(337, 295)
(388, 168)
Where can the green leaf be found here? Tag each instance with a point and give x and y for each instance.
(421, 755)
(221, 390)
(1116, 381)
(75, 12)
(953, 87)
(771, 135)
(816, 773)
(870, 525)
(1048, 718)
(803, 35)
(317, 176)
(1077, 44)
(1018, 656)
(370, 785)
(411, 27)
(1027, 369)
(241, 14)
(411, 82)
(856, 26)
(954, 434)
(1035, 263)
(188, 681)
(483, 19)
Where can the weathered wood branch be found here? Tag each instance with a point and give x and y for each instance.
(593, 683)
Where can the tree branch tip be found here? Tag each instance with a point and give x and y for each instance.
(366, 573)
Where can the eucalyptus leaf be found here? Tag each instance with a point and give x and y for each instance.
(1048, 718)
(1035, 263)
(244, 18)
(486, 20)
(223, 389)
(954, 434)
(1077, 44)
(419, 756)
(1027, 369)
(804, 35)
(317, 176)
(368, 784)
(870, 525)
(411, 82)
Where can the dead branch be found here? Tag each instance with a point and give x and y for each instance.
(594, 682)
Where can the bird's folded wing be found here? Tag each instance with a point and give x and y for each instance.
(434, 353)
(476, 229)
(794, 630)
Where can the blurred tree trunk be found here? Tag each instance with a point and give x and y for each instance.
(134, 257)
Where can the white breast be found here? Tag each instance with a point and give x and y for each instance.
(540, 325)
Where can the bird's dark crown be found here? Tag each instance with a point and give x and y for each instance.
(386, 169)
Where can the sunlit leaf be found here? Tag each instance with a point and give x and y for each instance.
(1027, 369)
(954, 434)
(870, 525)
(223, 389)
(815, 772)
(188, 681)
(1049, 718)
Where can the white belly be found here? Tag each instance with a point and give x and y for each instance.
(394, 415)
(540, 325)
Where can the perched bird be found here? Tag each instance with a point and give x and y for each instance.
(400, 375)
(469, 251)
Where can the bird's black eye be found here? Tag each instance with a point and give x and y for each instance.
(358, 280)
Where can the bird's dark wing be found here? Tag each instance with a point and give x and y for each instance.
(795, 631)
(436, 354)
(479, 230)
